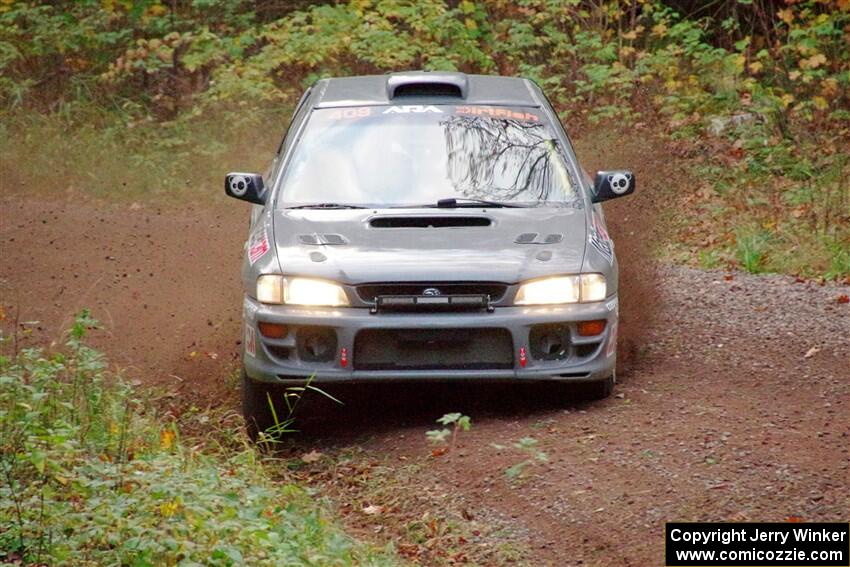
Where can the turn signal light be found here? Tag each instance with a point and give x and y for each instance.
(591, 328)
(272, 330)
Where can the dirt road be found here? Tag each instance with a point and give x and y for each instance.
(734, 401)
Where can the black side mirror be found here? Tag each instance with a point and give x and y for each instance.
(613, 184)
(246, 187)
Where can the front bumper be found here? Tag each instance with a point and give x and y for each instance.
(283, 360)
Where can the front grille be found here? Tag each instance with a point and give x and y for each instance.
(368, 292)
(433, 349)
(431, 304)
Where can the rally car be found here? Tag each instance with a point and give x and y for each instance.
(426, 226)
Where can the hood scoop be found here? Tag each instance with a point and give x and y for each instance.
(429, 221)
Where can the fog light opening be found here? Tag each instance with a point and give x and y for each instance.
(551, 344)
(591, 328)
(272, 330)
(316, 344)
(550, 341)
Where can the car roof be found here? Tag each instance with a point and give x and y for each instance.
(424, 87)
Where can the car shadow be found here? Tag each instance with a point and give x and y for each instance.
(369, 410)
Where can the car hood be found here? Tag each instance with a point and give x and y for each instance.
(356, 246)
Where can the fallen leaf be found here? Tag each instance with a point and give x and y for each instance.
(811, 352)
(794, 519)
(373, 510)
(409, 550)
(843, 298)
(166, 438)
(814, 61)
(829, 87)
(439, 451)
(312, 457)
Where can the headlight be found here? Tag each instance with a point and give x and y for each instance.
(562, 289)
(270, 289)
(306, 291)
(593, 287)
(299, 291)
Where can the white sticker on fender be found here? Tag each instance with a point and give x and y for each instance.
(250, 340)
(612, 341)
(599, 238)
(249, 309)
(258, 246)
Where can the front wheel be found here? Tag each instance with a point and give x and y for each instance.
(598, 389)
(256, 405)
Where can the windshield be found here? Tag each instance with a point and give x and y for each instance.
(386, 156)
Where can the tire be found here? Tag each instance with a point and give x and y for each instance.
(598, 390)
(255, 405)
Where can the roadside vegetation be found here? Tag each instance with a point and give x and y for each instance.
(143, 97)
(94, 475)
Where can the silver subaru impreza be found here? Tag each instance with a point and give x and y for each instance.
(427, 226)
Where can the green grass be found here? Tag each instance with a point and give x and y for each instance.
(107, 155)
(751, 249)
(92, 475)
(776, 208)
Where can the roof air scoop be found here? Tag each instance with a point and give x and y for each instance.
(426, 84)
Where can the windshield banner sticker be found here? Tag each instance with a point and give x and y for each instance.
(350, 112)
(495, 112)
(599, 238)
(415, 108)
(258, 246)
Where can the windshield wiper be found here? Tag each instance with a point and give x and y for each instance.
(326, 206)
(455, 202)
